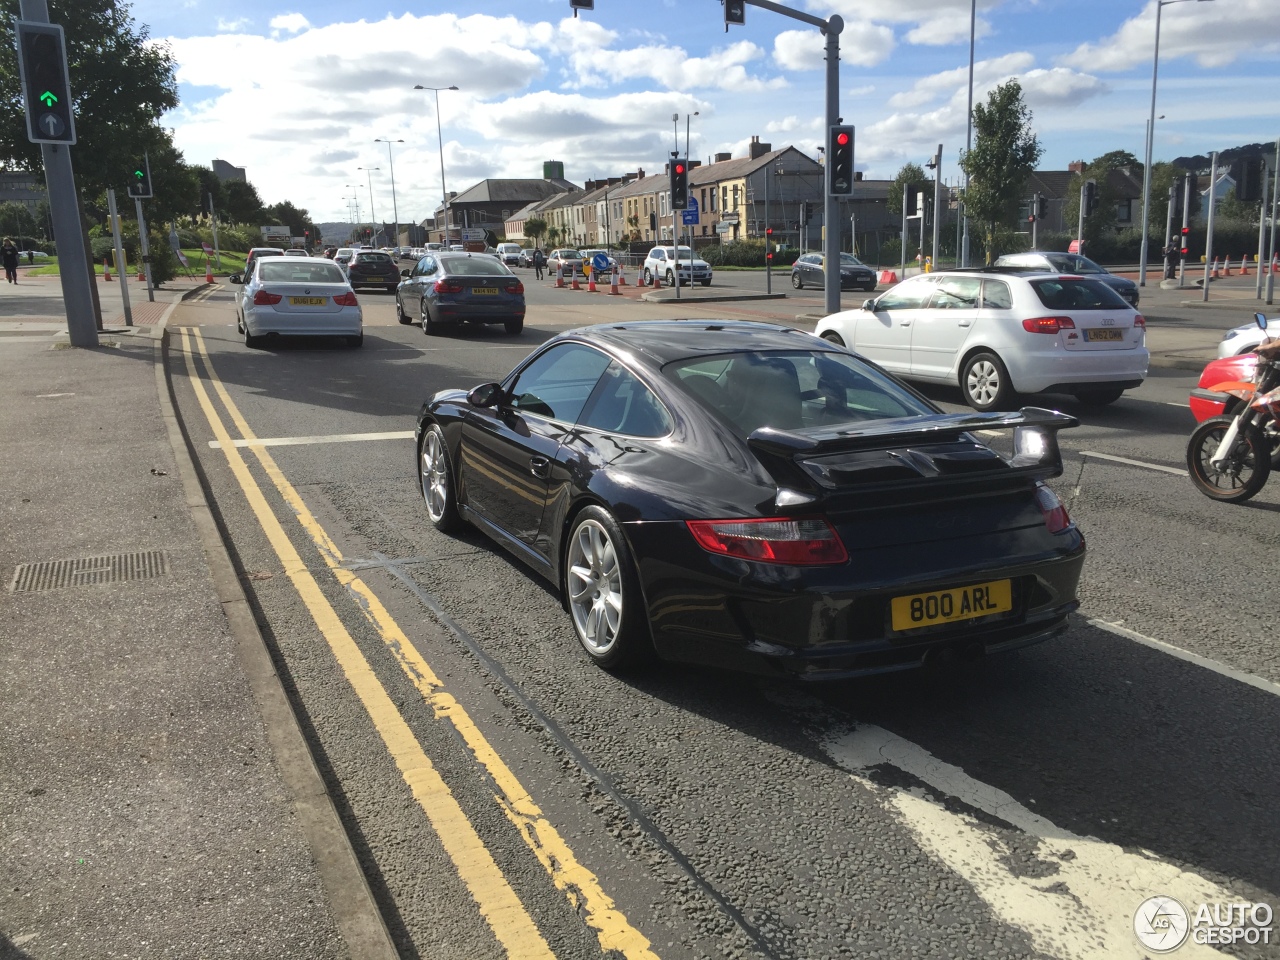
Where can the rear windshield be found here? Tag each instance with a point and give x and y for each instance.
(372, 258)
(1062, 293)
(285, 270)
(474, 267)
(793, 389)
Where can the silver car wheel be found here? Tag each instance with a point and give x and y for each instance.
(984, 382)
(435, 477)
(595, 587)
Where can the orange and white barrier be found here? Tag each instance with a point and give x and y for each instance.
(888, 276)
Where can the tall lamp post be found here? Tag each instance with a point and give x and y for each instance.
(440, 137)
(1151, 129)
(968, 135)
(395, 210)
(368, 175)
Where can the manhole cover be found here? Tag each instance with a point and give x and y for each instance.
(87, 571)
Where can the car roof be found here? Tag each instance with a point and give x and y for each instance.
(662, 341)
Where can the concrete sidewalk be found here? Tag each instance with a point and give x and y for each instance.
(158, 798)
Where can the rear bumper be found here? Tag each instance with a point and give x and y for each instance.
(375, 281)
(1064, 370)
(264, 320)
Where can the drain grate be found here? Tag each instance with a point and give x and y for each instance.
(87, 571)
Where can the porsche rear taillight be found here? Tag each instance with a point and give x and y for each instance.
(346, 300)
(774, 540)
(1048, 324)
(1051, 508)
(264, 299)
(448, 286)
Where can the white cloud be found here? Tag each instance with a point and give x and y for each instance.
(946, 28)
(671, 67)
(862, 44)
(1058, 87)
(1213, 35)
(289, 23)
(986, 74)
(232, 26)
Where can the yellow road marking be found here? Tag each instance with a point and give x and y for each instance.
(579, 884)
(498, 904)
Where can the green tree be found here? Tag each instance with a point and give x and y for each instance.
(1118, 160)
(535, 228)
(16, 220)
(1005, 152)
(910, 176)
(209, 183)
(1231, 207)
(243, 205)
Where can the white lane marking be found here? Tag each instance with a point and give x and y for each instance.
(1083, 911)
(330, 438)
(1134, 463)
(1266, 686)
(50, 396)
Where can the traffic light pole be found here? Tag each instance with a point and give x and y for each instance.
(1275, 209)
(120, 265)
(1208, 237)
(1186, 224)
(768, 237)
(146, 250)
(1262, 234)
(68, 232)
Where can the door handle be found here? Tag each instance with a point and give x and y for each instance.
(965, 323)
(904, 323)
(540, 467)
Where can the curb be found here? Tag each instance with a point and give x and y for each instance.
(346, 887)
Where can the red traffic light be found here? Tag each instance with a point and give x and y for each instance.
(679, 168)
(842, 138)
(768, 231)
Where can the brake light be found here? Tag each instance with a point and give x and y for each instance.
(1139, 321)
(346, 300)
(1051, 508)
(1048, 324)
(772, 540)
(264, 299)
(447, 286)
(515, 288)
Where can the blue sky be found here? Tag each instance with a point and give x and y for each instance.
(298, 93)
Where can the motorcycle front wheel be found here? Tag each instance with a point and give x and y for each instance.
(1242, 474)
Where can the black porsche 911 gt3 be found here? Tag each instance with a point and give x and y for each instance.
(746, 495)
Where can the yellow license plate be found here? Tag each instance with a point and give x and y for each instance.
(491, 291)
(948, 606)
(308, 301)
(1103, 335)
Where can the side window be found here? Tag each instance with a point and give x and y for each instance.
(557, 382)
(908, 295)
(996, 296)
(622, 404)
(957, 293)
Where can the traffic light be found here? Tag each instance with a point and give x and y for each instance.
(46, 92)
(804, 213)
(840, 156)
(910, 199)
(1249, 181)
(653, 221)
(140, 179)
(735, 11)
(1090, 197)
(679, 184)
(1042, 205)
(1186, 239)
(576, 5)
(768, 243)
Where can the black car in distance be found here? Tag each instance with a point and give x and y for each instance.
(373, 268)
(741, 494)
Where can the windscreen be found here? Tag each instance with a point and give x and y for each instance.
(285, 270)
(793, 390)
(474, 267)
(1062, 293)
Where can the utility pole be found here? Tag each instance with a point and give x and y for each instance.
(145, 250)
(213, 218)
(937, 203)
(1186, 222)
(1275, 209)
(1208, 239)
(120, 266)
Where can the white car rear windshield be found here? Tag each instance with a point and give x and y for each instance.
(286, 271)
(1065, 293)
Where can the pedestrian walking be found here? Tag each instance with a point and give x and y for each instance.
(9, 254)
(539, 261)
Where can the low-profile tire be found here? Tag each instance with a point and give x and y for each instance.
(250, 340)
(513, 327)
(435, 481)
(1243, 475)
(797, 281)
(429, 326)
(985, 383)
(603, 594)
(1099, 398)
(400, 314)
(832, 337)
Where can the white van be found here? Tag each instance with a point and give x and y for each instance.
(509, 253)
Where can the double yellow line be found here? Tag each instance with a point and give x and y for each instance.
(496, 901)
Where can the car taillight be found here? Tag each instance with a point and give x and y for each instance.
(1051, 508)
(346, 300)
(1048, 324)
(773, 540)
(1139, 321)
(515, 288)
(264, 299)
(447, 286)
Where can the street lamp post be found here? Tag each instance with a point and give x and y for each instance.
(440, 137)
(368, 175)
(1151, 130)
(395, 210)
(968, 135)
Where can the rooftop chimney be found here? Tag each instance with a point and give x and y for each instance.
(722, 157)
(758, 149)
(1076, 166)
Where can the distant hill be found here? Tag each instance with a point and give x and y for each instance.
(1226, 158)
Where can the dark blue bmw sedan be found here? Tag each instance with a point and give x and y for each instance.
(445, 289)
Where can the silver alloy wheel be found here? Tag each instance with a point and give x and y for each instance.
(435, 476)
(595, 587)
(983, 382)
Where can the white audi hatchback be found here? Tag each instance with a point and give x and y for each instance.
(297, 296)
(998, 334)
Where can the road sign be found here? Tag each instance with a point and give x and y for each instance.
(600, 262)
(46, 91)
(690, 215)
(473, 233)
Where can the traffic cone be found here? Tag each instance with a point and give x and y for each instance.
(657, 281)
(1244, 267)
(613, 287)
(1213, 273)
(559, 274)
(142, 272)
(1275, 261)
(622, 276)
(575, 285)
(106, 269)
(591, 282)
(208, 272)
(1226, 266)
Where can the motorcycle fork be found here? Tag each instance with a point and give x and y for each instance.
(1228, 441)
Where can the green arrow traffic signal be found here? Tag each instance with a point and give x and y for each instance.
(139, 174)
(48, 99)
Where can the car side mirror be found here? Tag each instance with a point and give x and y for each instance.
(1261, 320)
(404, 273)
(235, 278)
(869, 305)
(485, 395)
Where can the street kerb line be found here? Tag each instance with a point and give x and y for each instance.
(497, 902)
(581, 887)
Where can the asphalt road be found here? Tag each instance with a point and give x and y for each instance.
(1019, 807)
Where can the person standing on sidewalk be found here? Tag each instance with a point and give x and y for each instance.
(1172, 253)
(9, 254)
(539, 261)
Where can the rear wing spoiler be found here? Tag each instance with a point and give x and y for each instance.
(1035, 445)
